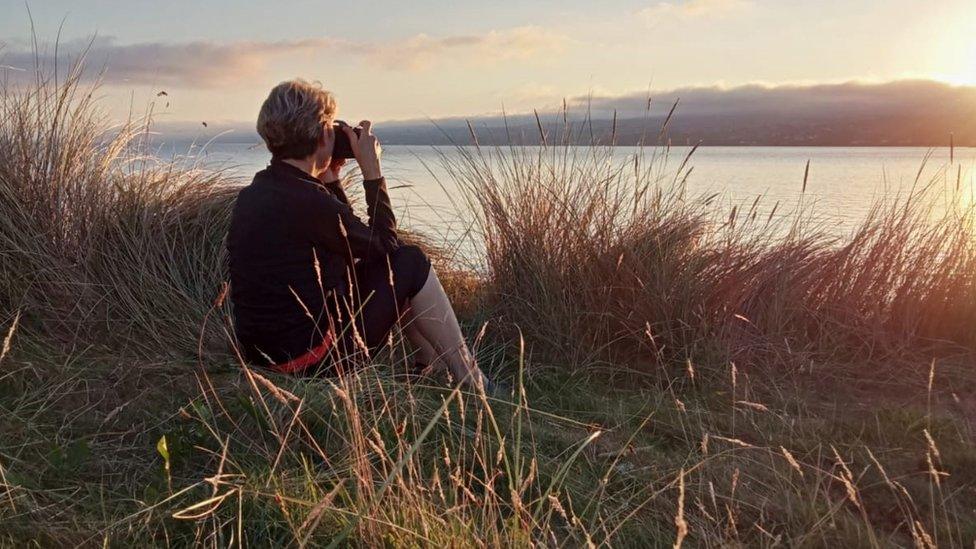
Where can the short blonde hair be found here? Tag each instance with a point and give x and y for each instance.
(292, 118)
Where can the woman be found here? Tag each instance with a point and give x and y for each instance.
(303, 265)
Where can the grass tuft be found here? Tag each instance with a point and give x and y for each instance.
(681, 374)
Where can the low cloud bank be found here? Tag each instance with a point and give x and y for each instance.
(846, 99)
(906, 113)
(909, 113)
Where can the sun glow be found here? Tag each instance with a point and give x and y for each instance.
(965, 72)
(956, 55)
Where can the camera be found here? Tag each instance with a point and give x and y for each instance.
(342, 148)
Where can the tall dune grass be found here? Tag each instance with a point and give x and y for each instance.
(101, 240)
(128, 420)
(586, 246)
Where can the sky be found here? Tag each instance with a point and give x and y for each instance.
(217, 59)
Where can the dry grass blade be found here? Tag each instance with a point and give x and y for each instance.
(679, 518)
(9, 337)
(315, 515)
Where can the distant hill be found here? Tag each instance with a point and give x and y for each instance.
(904, 113)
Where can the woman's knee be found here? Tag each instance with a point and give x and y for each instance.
(409, 257)
(411, 267)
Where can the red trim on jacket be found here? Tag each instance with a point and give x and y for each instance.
(312, 357)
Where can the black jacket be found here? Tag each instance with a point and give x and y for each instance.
(282, 223)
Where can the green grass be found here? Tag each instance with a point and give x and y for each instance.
(756, 382)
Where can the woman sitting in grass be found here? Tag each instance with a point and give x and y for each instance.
(312, 285)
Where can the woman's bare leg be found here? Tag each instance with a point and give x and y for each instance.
(434, 319)
(424, 352)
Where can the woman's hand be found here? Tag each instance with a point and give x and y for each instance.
(367, 150)
(331, 174)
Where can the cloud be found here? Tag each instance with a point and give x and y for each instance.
(191, 64)
(201, 64)
(693, 9)
(845, 99)
(903, 113)
(423, 51)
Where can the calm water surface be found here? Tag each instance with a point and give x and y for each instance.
(842, 185)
